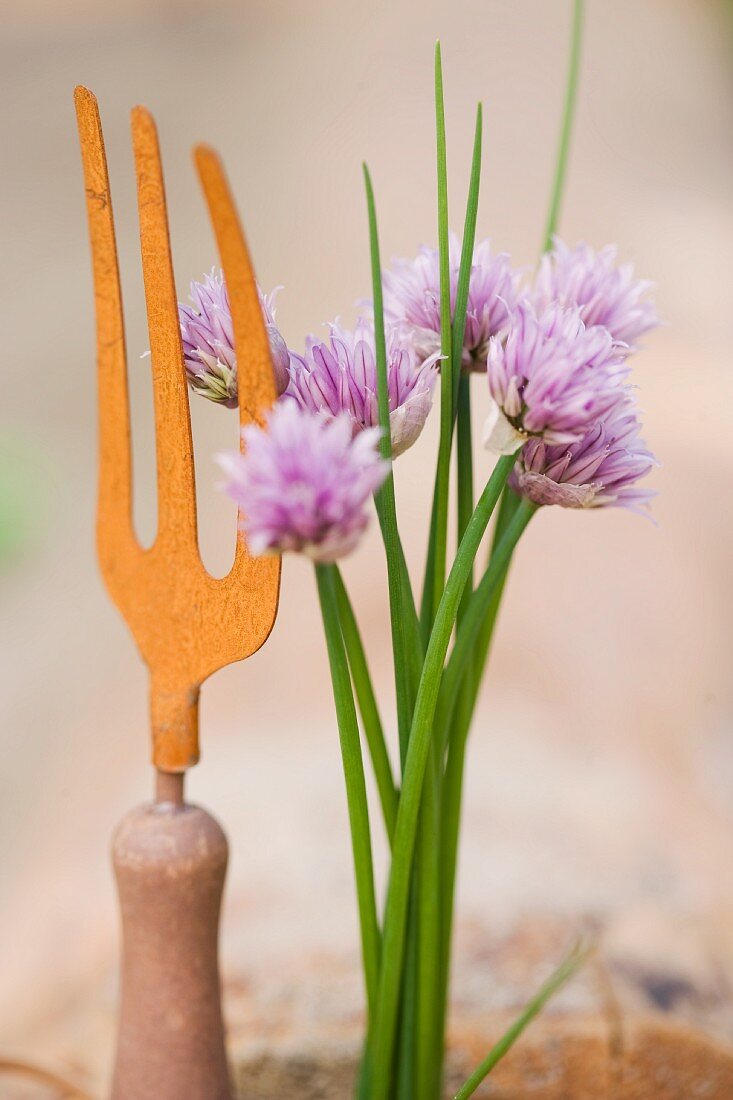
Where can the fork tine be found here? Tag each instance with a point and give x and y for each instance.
(256, 383)
(174, 446)
(256, 377)
(115, 531)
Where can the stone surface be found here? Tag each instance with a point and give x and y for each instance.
(567, 1058)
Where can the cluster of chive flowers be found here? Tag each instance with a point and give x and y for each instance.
(555, 351)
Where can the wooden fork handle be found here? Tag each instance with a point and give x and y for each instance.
(170, 863)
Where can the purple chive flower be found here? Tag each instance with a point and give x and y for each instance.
(340, 376)
(605, 293)
(208, 341)
(598, 471)
(303, 482)
(551, 377)
(412, 296)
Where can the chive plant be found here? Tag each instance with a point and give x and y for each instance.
(565, 427)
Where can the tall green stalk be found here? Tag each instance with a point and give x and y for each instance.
(464, 497)
(368, 707)
(356, 795)
(464, 478)
(429, 936)
(464, 271)
(555, 982)
(509, 503)
(407, 1022)
(440, 488)
(477, 611)
(431, 889)
(426, 603)
(482, 610)
(446, 366)
(395, 919)
(385, 497)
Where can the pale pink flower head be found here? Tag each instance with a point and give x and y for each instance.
(412, 296)
(303, 482)
(552, 377)
(605, 292)
(207, 332)
(339, 375)
(600, 470)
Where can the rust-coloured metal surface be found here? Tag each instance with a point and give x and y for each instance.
(187, 624)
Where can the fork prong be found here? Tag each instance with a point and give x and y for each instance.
(115, 531)
(174, 446)
(256, 378)
(255, 374)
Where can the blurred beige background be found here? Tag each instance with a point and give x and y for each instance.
(601, 767)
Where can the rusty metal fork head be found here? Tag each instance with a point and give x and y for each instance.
(186, 623)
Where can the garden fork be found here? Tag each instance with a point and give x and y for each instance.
(170, 857)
